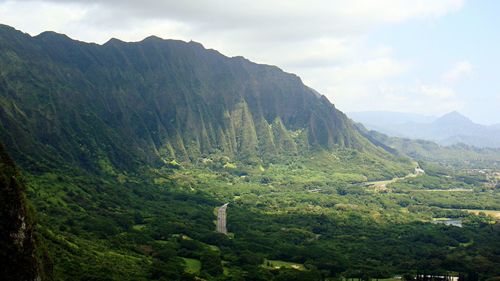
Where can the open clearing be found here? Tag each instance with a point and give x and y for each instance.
(283, 264)
(192, 265)
(493, 213)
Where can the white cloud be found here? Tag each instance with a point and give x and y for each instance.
(35, 17)
(323, 41)
(398, 11)
(379, 91)
(416, 98)
(369, 70)
(458, 71)
(296, 15)
(437, 92)
(297, 20)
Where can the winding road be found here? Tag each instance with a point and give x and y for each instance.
(382, 185)
(221, 219)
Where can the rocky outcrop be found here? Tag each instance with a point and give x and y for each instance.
(19, 256)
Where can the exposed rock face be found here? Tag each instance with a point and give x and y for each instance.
(18, 253)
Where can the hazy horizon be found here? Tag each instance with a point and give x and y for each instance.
(417, 114)
(424, 57)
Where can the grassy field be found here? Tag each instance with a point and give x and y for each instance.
(495, 214)
(192, 265)
(138, 227)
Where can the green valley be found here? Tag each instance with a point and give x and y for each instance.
(126, 150)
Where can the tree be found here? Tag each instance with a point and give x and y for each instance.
(211, 264)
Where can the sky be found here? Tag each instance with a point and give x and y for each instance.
(422, 56)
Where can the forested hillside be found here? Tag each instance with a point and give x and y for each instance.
(458, 155)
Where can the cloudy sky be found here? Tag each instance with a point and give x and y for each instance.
(420, 56)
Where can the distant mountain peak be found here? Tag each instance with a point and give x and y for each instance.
(53, 35)
(153, 38)
(453, 117)
(454, 113)
(114, 41)
(4, 27)
(449, 129)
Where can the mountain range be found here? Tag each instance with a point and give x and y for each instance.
(451, 128)
(129, 104)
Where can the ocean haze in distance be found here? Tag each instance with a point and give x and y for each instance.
(425, 57)
(449, 129)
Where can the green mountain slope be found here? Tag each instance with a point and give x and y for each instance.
(65, 101)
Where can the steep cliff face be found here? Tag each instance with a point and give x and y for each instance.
(18, 248)
(129, 103)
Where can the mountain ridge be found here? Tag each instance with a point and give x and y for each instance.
(155, 100)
